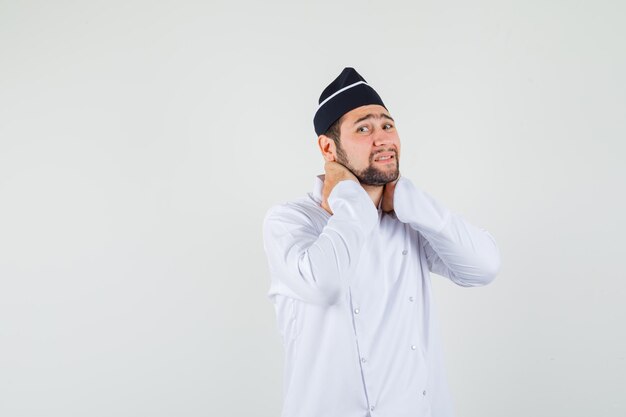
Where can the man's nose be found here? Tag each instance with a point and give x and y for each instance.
(382, 138)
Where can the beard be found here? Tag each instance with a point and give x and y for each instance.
(370, 175)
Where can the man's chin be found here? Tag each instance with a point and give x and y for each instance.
(391, 176)
(379, 180)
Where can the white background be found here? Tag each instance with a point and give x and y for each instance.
(141, 143)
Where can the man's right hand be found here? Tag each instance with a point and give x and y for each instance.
(335, 172)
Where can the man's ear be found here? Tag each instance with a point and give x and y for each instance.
(327, 147)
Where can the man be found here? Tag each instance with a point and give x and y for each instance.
(350, 271)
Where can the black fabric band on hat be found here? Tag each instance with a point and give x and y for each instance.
(347, 92)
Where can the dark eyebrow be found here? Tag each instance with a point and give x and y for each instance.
(367, 116)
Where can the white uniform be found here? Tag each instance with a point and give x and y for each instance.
(352, 294)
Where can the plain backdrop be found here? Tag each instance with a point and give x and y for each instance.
(142, 142)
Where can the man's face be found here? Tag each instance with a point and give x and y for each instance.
(369, 145)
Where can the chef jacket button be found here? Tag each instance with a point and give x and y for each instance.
(356, 311)
(424, 392)
(404, 252)
(411, 299)
(363, 360)
(372, 408)
(413, 347)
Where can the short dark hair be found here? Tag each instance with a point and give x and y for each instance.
(334, 131)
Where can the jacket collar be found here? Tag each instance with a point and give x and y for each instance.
(318, 185)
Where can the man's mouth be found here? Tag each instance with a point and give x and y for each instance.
(385, 157)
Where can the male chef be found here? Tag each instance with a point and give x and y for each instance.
(350, 267)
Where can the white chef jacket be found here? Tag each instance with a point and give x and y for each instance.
(353, 300)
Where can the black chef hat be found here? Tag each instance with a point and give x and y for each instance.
(348, 91)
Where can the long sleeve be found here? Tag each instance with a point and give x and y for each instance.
(313, 266)
(455, 248)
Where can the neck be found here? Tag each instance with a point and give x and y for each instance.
(375, 192)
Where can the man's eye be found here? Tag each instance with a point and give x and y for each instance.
(388, 126)
(362, 129)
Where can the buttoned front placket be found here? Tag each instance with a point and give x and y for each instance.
(362, 359)
(357, 322)
(363, 356)
(360, 297)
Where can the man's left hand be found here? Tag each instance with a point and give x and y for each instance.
(388, 190)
